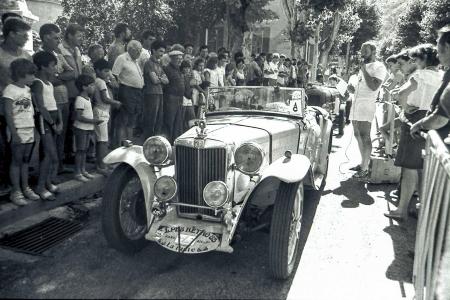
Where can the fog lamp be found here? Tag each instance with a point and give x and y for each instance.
(165, 188)
(157, 150)
(215, 194)
(249, 158)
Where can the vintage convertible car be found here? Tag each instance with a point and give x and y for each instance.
(242, 167)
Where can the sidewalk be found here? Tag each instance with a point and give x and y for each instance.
(70, 190)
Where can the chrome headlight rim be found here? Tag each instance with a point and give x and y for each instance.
(260, 150)
(227, 193)
(160, 198)
(166, 144)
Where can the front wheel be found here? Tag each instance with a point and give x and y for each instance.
(285, 229)
(124, 218)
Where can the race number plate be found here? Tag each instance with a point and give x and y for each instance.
(187, 239)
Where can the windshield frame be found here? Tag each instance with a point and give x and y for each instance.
(270, 89)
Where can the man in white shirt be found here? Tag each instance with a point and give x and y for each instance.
(129, 74)
(371, 75)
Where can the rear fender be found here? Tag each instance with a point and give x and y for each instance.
(134, 157)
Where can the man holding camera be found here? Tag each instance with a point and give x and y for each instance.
(371, 75)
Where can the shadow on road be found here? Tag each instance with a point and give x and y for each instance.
(355, 192)
(403, 237)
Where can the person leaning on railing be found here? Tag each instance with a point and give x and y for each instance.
(415, 97)
(439, 115)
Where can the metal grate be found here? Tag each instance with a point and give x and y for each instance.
(37, 239)
(195, 168)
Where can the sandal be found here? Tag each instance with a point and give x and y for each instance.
(47, 195)
(30, 194)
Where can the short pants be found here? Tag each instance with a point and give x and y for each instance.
(82, 138)
(101, 130)
(26, 135)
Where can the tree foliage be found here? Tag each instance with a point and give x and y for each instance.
(408, 30)
(369, 26)
(435, 16)
(188, 25)
(98, 17)
(416, 22)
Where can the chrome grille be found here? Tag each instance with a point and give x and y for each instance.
(195, 168)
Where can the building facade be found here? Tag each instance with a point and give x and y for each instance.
(47, 11)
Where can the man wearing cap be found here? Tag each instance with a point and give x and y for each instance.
(173, 96)
(129, 74)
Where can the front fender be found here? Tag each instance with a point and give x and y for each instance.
(288, 170)
(134, 157)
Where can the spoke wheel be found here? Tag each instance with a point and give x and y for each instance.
(285, 229)
(132, 210)
(124, 219)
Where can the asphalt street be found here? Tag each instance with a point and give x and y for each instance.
(349, 251)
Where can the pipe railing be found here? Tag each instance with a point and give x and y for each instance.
(432, 248)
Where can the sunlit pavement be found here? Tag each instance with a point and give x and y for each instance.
(353, 251)
(350, 251)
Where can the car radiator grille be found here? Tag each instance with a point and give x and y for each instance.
(195, 168)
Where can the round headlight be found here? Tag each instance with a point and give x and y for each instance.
(165, 188)
(157, 150)
(215, 194)
(249, 158)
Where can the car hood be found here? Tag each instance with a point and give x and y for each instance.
(268, 131)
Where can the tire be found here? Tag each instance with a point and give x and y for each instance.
(114, 233)
(281, 262)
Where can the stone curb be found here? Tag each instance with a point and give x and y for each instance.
(70, 191)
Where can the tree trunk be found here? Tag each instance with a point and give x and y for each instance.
(316, 52)
(247, 44)
(347, 59)
(325, 49)
(226, 28)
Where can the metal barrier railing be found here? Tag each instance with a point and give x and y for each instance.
(433, 229)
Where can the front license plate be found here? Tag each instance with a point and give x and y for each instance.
(187, 239)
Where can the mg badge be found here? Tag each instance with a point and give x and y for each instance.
(199, 143)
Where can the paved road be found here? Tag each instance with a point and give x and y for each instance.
(349, 251)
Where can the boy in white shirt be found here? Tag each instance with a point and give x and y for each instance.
(84, 124)
(102, 108)
(19, 114)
